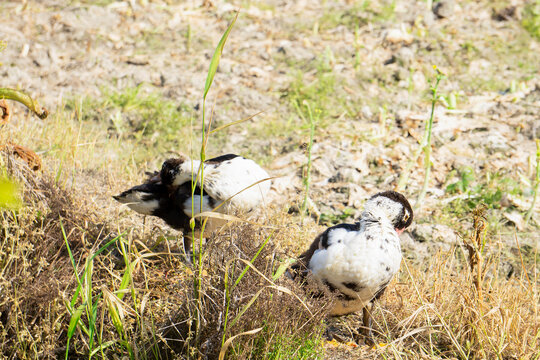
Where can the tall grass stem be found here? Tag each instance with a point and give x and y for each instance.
(425, 146)
(536, 183)
(214, 63)
(307, 175)
(426, 142)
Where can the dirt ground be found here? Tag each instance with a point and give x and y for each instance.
(365, 68)
(380, 56)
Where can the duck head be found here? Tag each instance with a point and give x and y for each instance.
(394, 206)
(176, 171)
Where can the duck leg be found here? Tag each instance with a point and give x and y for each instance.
(332, 331)
(367, 322)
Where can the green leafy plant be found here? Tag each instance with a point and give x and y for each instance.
(462, 185)
(320, 93)
(145, 113)
(297, 348)
(9, 194)
(88, 304)
(536, 183)
(450, 100)
(197, 285)
(469, 191)
(333, 219)
(426, 141)
(531, 18)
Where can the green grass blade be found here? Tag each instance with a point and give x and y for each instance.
(114, 312)
(75, 317)
(215, 58)
(81, 325)
(102, 346)
(127, 277)
(69, 250)
(72, 259)
(104, 247)
(282, 268)
(92, 316)
(228, 299)
(536, 184)
(91, 306)
(307, 177)
(75, 296)
(126, 280)
(88, 271)
(86, 291)
(253, 259)
(247, 306)
(74, 320)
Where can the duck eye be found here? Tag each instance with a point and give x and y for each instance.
(406, 216)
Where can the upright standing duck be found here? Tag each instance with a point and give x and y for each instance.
(231, 183)
(359, 260)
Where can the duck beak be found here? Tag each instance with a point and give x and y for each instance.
(400, 231)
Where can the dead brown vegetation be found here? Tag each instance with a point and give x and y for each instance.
(35, 265)
(239, 295)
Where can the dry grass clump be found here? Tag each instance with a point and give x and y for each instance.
(247, 303)
(34, 264)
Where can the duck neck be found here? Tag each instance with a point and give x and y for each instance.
(187, 168)
(191, 166)
(375, 215)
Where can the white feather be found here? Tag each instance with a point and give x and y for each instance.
(368, 258)
(135, 202)
(237, 179)
(381, 207)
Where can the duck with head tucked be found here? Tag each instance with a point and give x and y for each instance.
(231, 183)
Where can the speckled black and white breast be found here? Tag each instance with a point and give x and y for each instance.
(358, 260)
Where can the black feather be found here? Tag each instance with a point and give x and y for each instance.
(221, 158)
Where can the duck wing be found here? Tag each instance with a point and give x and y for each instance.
(236, 179)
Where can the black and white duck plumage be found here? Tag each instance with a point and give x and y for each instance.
(232, 181)
(359, 260)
